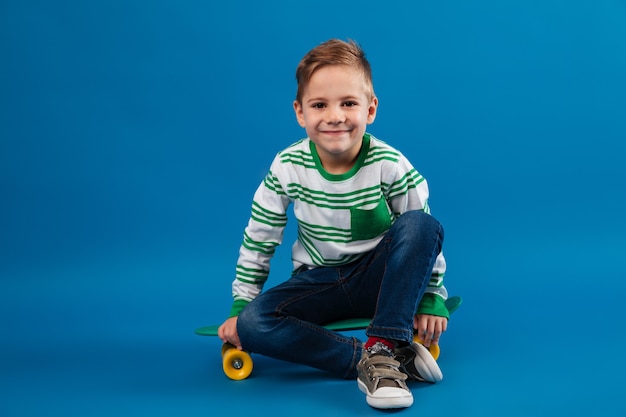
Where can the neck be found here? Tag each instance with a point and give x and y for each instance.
(338, 164)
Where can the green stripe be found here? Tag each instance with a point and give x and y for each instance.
(268, 217)
(326, 233)
(318, 198)
(408, 181)
(250, 275)
(310, 248)
(272, 184)
(298, 157)
(316, 256)
(266, 248)
(377, 158)
(436, 280)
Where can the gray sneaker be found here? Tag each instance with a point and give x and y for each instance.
(418, 364)
(381, 380)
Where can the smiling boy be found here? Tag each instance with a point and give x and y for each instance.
(367, 245)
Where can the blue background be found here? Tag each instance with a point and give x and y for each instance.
(133, 134)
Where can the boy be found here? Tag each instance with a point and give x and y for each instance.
(366, 246)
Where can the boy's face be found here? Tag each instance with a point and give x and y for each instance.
(335, 111)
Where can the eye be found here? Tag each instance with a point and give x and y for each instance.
(350, 104)
(318, 105)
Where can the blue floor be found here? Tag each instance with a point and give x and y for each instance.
(110, 338)
(121, 213)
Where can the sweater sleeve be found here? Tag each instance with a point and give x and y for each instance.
(434, 305)
(261, 237)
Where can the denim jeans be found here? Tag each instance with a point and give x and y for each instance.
(386, 284)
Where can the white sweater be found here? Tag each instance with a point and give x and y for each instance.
(340, 217)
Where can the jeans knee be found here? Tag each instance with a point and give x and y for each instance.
(247, 321)
(420, 223)
(253, 323)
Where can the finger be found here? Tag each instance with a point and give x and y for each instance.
(434, 330)
(233, 339)
(220, 333)
(431, 336)
(441, 327)
(437, 332)
(427, 335)
(421, 327)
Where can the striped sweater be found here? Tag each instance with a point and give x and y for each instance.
(340, 217)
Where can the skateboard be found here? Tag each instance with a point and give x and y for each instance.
(237, 364)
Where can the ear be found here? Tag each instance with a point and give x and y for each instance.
(371, 111)
(297, 107)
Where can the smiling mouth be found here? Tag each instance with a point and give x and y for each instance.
(334, 132)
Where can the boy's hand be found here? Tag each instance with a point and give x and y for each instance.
(429, 328)
(228, 332)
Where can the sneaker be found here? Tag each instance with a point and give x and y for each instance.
(418, 364)
(381, 380)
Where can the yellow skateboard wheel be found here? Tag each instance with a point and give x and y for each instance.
(237, 364)
(433, 349)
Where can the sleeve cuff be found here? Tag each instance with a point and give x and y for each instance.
(236, 308)
(433, 305)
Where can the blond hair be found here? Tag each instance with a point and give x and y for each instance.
(333, 52)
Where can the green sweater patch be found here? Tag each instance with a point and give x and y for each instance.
(433, 305)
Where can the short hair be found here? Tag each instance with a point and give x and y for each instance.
(333, 52)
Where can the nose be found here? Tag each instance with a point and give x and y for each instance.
(335, 115)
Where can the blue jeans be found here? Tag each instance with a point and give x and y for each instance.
(285, 322)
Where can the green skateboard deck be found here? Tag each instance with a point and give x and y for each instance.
(237, 364)
(452, 303)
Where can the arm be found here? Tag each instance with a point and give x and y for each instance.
(262, 235)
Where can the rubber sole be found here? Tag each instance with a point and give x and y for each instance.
(387, 397)
(426, 365)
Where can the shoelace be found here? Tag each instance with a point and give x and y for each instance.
(380, 366)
